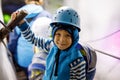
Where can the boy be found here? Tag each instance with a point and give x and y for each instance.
(65, 60)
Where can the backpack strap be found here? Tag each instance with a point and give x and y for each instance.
(89, 55)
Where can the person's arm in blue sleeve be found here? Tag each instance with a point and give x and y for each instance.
(12, 43)
(23, 26)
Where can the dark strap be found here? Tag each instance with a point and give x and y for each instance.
(89, 55)
(57, 62)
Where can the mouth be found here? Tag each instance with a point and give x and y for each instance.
(62, 44)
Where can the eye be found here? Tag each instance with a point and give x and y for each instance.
(68, 35)
(57, 34)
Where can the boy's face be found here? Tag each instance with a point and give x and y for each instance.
(62, 39)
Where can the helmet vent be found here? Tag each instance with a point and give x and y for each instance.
(68, 12)
(76, 15)
(61, 11)
(70, 20)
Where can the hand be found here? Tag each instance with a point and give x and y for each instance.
(15, 15)
(36, 75)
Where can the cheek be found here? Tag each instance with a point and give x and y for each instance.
(69, 41)
(55, 39)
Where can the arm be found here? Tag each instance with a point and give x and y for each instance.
(37, 67)
(30, 37)
(38, 59)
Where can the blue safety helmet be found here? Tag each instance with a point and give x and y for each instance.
(67, 16)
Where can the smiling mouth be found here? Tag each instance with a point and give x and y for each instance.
(62, 44)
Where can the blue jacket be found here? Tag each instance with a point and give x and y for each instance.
(71, 62)
(21, 49)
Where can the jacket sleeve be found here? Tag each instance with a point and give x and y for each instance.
(36, 40)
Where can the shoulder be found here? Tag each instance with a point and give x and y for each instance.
(45, 13)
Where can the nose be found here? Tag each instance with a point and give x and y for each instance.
(62, 39)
